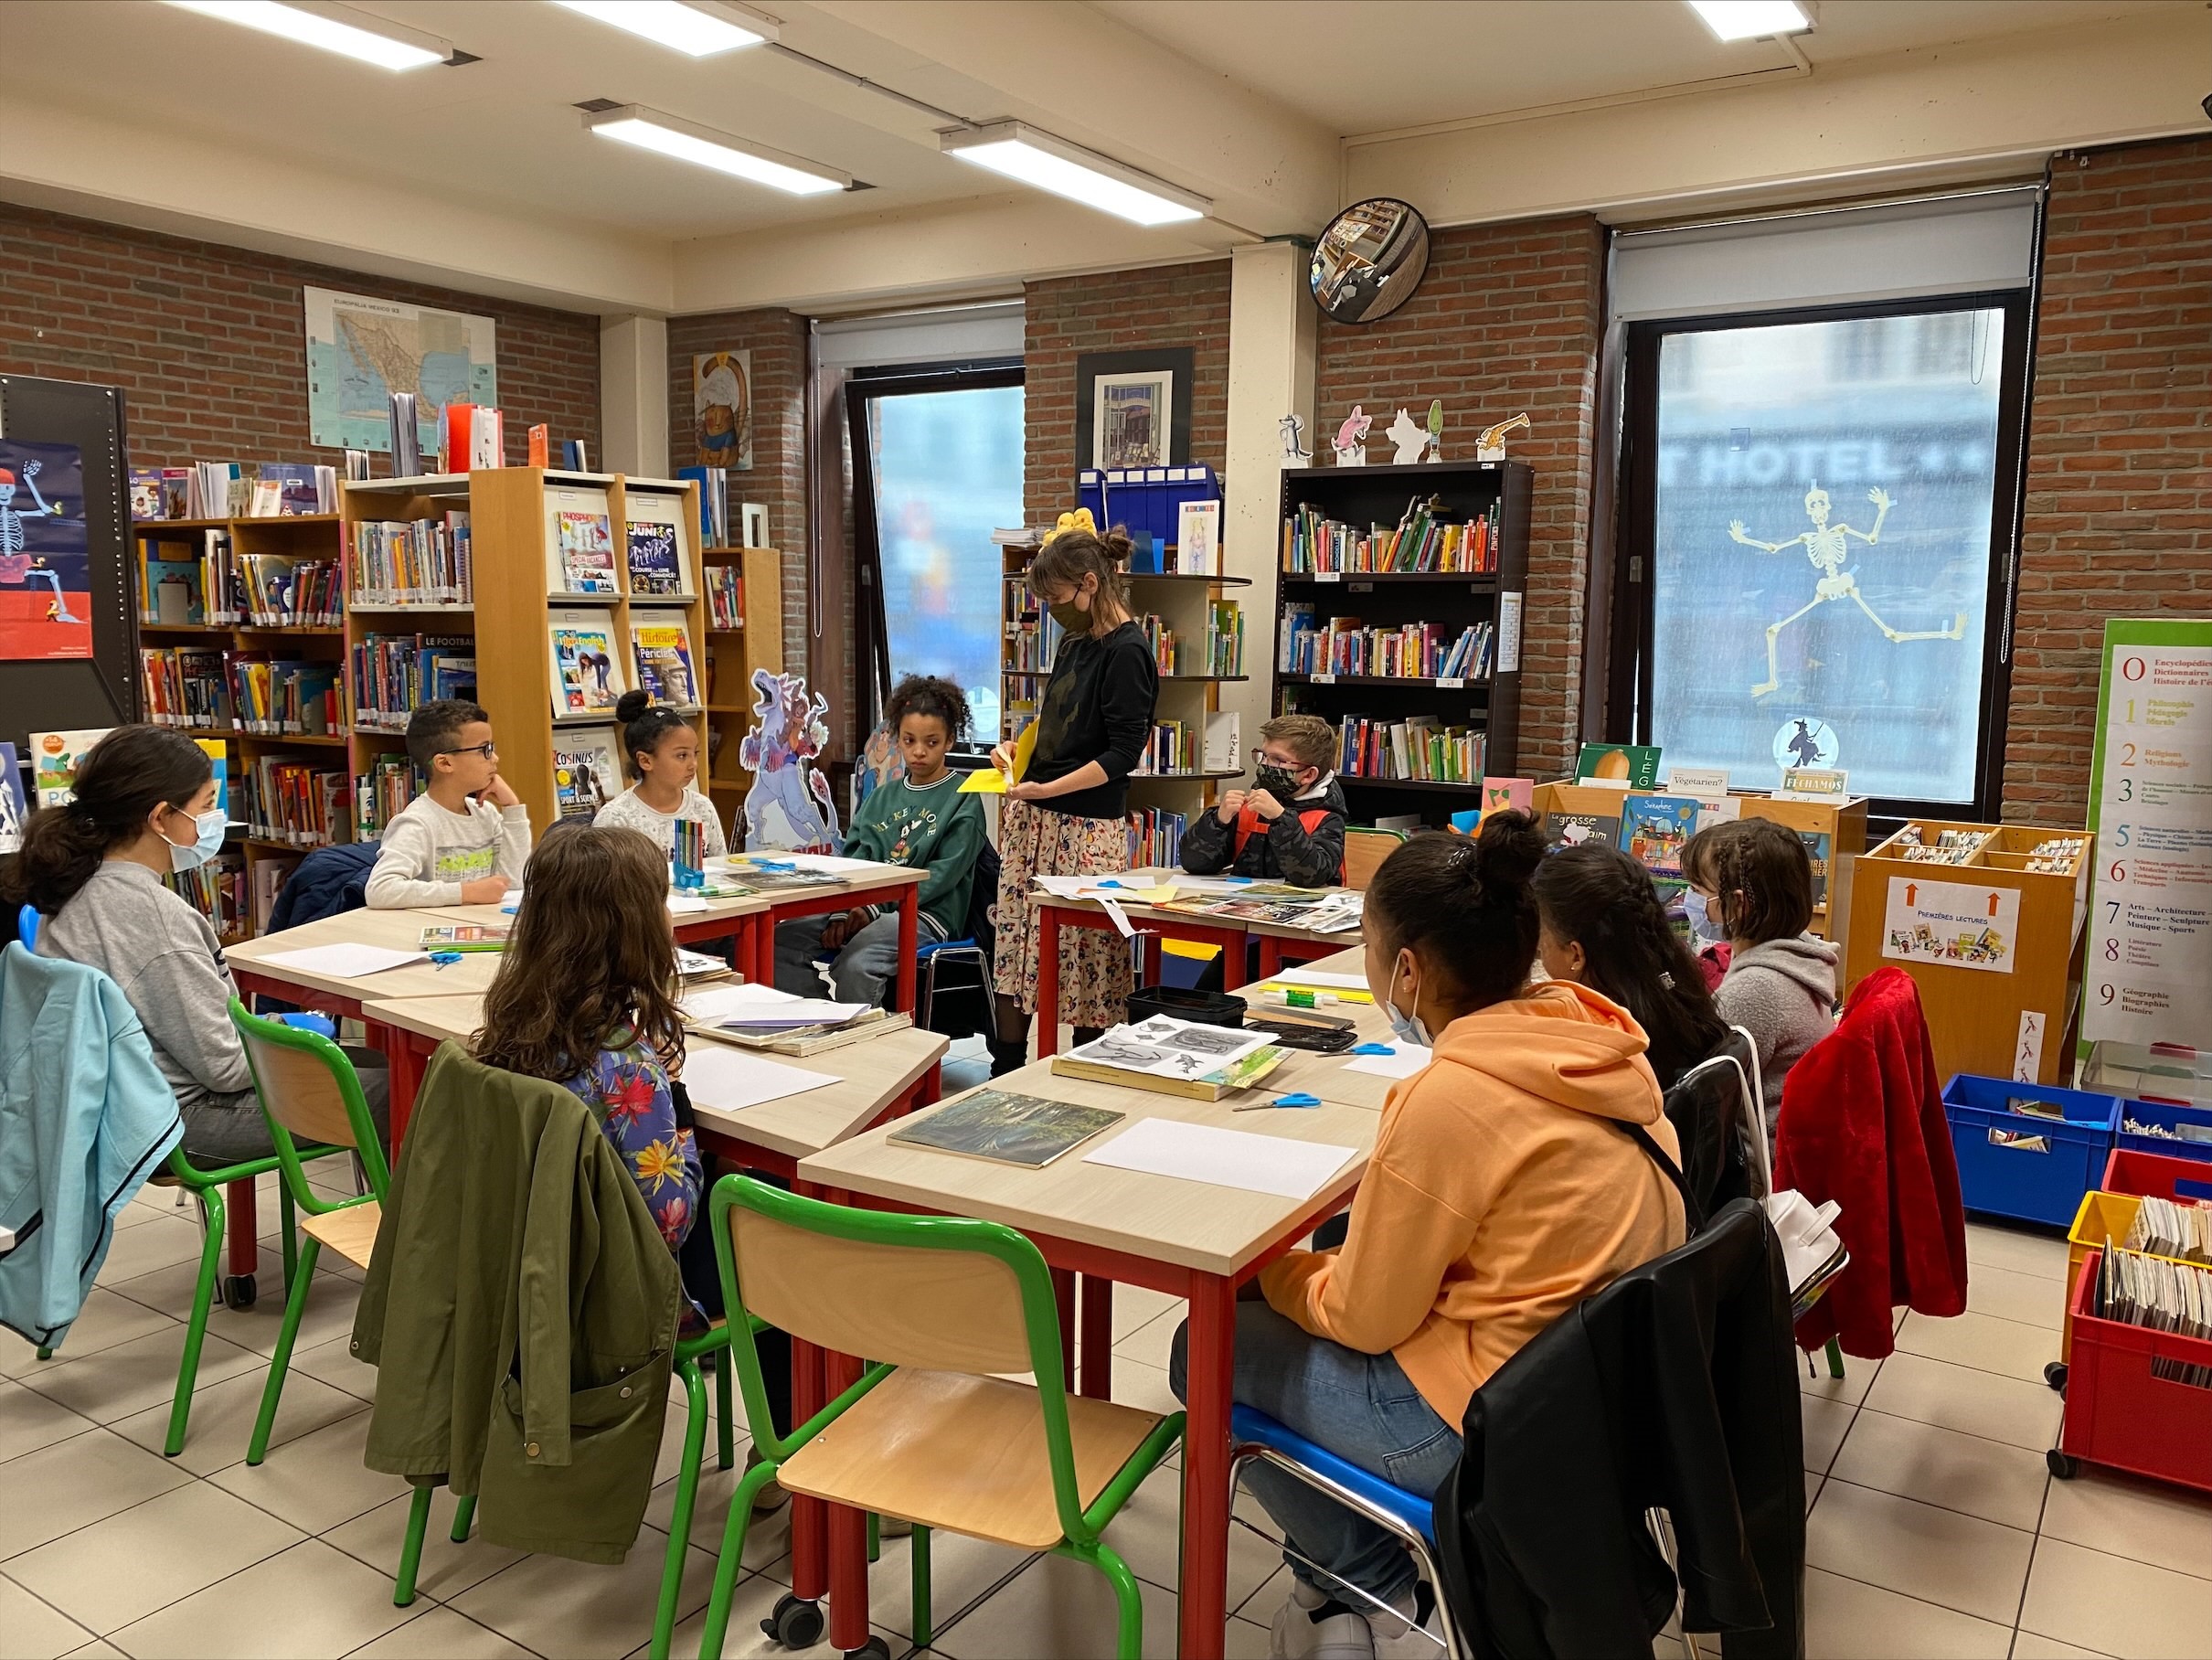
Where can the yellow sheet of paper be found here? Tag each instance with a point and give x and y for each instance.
(984, 781)
(1024, 747)
(1156, 896)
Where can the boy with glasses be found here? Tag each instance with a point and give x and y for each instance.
(465, 839)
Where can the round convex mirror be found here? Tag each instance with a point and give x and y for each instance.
(1369, 260)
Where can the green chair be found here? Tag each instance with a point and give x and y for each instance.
(929, 1433)
(310, 1092)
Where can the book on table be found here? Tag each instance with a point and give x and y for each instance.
(464, 936)
(1010, 1129)
(1173, 1058)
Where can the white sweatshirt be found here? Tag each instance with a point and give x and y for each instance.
(631, 812)
(429, 852)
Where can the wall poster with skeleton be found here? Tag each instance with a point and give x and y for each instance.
(46, 576)
(1822, 548)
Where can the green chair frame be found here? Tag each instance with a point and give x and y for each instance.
(297, 1192)
(1081, 1528)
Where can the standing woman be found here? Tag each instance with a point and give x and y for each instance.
(1065, 816)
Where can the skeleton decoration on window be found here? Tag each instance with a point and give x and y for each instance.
(1828, 546)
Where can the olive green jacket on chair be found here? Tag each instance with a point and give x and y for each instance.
(521, 1311)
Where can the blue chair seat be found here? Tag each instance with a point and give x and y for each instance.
(1249, 1426)
(929, 948)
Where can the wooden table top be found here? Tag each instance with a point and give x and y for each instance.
(1194, 1225)
(867, 1076)
(396, 930)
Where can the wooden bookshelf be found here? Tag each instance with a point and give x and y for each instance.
(736, 653)
(1377, 496)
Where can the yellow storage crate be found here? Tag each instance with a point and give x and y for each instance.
(2103, 1216)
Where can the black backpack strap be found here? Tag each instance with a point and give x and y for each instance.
(1693, 1212)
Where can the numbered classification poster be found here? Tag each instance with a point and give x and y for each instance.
(2148, 978)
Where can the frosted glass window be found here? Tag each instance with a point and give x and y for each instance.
(1821, 569)
(947, 471)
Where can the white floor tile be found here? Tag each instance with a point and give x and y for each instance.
(2022, 1249)
(574, 1611)
(446, 1567)
(333, 1363)
(105, 1321)
(74, 1483)
(1825, 1424)
(29, 1420)
(2031, 1299)
(754, 1599)
(439, 1633)
(961, 1571)
(2117, 1603)
(315, 1482)
(1937, 1555)
(155, 1243)
(2028, 1645)
(1151, 1343)
(1135, 1307)
(174, 1544)
(2167, 1527)
(2009, 1348)
(115, 1383)
(767, 1538)
(1148, 1533)
(1851, 1388)
(1845, 1620)
(1057, 1607)
(329, 1314)
(1142, 1387)
(32, 1630)
(1959, 1398)
(1991, 1479)
(310, 1602)
(223, 1414)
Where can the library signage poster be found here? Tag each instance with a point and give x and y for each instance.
(46, 570)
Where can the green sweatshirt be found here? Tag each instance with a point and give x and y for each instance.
(936, 829)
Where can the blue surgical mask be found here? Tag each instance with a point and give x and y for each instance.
(1702, 922)
(208, 829)
(1406, 1027)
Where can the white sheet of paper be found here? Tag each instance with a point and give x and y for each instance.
(722, 1002)
(797, 1011)
(1223, 1158)
(345, 961)
(1403, 1061)
(1118, 916)
(685, 904)
(718, 1076)
(1321, 978)
(1068, 886)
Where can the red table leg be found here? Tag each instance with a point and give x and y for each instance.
(1152, 959)
(849, 1541)
(910, 937)
(405, 1052)
(244, 1251)
(1232, 962)
(1213, 1352)
(1098, 1337)
(1271, 956)
(1047, 980)
(809, 1536)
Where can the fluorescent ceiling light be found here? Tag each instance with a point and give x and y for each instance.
(1752, 19)
(699, 27)
(688, 141)
(1081, 175)
(335, 28)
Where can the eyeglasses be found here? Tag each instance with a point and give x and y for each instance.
(490, 752)
(1259, 759)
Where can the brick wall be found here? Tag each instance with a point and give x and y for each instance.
(1121, 311)
(2119, 463)
(1508, 318)
(776, 340)
(209, 345)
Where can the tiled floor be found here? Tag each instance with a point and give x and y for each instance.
(1934, 1528)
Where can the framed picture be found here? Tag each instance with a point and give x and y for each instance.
(721, 409)
(1132, 408)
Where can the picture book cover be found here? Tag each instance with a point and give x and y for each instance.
(175, 596)
(1820, 849)
(1507, 795)
(1168, 1048)
(1572, 829)
(1633, 764)
(145, 494)
(54, 759)
(586, 675)
(587, 551)
(12, 810)
(664, 663)
(586, 773)
(217, 752)
(1653, 829)
(464, 936)
(655, 567)
(1012, 1129)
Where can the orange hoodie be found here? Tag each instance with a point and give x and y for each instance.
(1498, 1197)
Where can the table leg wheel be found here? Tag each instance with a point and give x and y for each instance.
(2054, 1374)
(239, 1291)
(875, 1648)
(796, 1623)
(2063, 1465)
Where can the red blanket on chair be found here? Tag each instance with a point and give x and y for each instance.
(1862, 1123)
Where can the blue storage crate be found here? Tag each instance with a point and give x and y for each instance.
(2035, 1184)
(1146, 501)
(2171, 1115)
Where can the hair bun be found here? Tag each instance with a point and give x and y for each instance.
(630, 705)
(1116, 545)
(1507, 850)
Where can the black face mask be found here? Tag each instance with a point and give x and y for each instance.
(1277, 781)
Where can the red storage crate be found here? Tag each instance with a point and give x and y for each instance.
(2117, 1413)
(2156, 1174)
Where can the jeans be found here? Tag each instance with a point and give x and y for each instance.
(863, 968)
(1360, 1407)
(230, 1129)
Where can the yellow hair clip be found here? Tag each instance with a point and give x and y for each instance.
(1080, 519)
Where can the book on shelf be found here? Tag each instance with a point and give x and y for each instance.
(215, 489)
(725, 597)
(1224, 639)
(186, 686)
(652, 546)
(286, 489)
(55, 758)
(295, 801)
(1198, 538)
(1172, 747)
(664, 664)
(286, 591)
(1653, 829)
(14, 807)
(1573, 829)
(390, 783)
(405, 435)
(1024, 1130)
(217, 751)
(471, 436)
(392, 675)
(146, 493)
(1409, 651)
(1224, 743)
(269, 872)
(583, 542)
(713, 502)
(412, 561)
(587, 673)
(217, 891)
(171, 593)
(279, 695)
(587, 771)
(1423, 539)
(1155, 838)
(1418, 749)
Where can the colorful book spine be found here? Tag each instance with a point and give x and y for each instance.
(725, 597)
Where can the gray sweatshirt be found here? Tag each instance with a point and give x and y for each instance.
(428, 852)
(1783, 994)
(127, 924)
(629, 811)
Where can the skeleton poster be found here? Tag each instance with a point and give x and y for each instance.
(45, 570)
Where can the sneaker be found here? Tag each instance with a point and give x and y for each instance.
(772, 1496)
(1292, 1636)
(1417, 1636)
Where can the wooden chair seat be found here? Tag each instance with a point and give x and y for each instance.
(350, 1231)
(967, 1453)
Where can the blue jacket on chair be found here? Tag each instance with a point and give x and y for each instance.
(85, 1117)
(329, 880)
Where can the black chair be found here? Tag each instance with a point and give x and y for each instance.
(1706, 1107)
(954, 997)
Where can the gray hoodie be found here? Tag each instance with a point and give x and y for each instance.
(1783, 994)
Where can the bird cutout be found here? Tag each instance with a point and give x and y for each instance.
(1828, 546)
(1490, 445)
(1436, 429)
(1408, 439)
(1350, 440)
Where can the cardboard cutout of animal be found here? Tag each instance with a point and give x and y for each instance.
(789, 807)
(1350, 440)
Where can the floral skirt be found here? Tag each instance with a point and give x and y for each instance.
(1095, 978)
